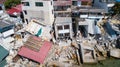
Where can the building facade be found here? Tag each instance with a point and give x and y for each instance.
(62, 8)
(41, 10)
(63, 27)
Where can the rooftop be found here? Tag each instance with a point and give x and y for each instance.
(63, 20)
(4, 23)
(38, 56)
(17, 9)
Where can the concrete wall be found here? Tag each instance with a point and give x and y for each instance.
(44, 11)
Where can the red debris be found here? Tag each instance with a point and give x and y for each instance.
(17, 9)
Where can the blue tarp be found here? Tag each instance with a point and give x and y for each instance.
(109, 30)
(117, 0)
(39, 32)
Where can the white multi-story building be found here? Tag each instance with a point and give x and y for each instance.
(41, 10)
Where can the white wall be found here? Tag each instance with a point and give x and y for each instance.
(63, 30)
(34, 11)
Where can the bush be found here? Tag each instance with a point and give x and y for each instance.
(10, 3)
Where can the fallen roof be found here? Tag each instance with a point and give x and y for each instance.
(3, 53)
(36, 56)
(33, 43)
(15, 10)
(5, 25)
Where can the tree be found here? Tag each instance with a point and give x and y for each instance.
(115, 9)
(10, 3)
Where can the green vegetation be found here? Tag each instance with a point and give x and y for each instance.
(115, 9)
(10, 3)
(109, 62)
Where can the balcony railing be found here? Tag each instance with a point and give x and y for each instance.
(62, 3)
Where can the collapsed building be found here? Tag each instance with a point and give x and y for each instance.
(59, 33)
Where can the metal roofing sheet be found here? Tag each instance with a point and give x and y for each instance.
(17, 9)
(3, 53)
(36, 56)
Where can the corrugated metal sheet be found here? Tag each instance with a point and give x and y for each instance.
(3, 53)
(17, 9)
(34, 43)
(5, 25)
(36, 56)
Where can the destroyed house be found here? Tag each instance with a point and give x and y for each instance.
(39, 30)
(87, 52)
(35, 49)
(63, 27)
(35, 28)
(3, 54)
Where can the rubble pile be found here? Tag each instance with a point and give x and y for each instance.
(61, 56)
(66, 42)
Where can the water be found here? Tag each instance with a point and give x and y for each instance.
(109, 62)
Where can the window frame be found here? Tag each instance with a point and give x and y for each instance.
(25, 12)
(26, 3)
(60, 27)
(39, 4)
(66, 27)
